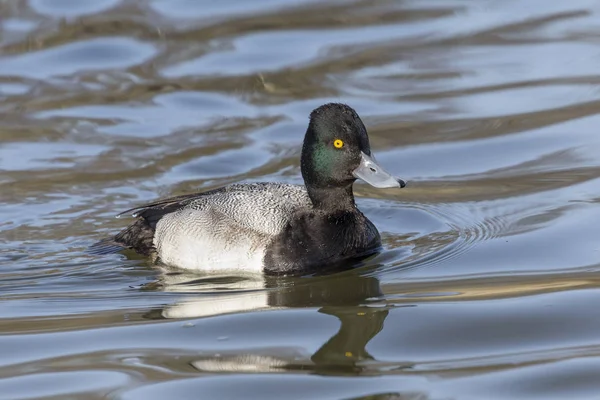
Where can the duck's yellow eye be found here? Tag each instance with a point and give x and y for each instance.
(338, 144)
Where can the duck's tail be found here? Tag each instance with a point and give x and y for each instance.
(106, 246)
(139, 236)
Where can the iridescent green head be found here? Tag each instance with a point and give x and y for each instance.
(336, 151)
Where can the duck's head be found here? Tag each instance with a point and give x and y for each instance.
(336, 151)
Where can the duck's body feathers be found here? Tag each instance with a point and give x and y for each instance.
(225, 228)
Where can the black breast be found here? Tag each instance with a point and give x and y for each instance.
(314, 240)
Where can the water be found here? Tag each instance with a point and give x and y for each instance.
(488, 285)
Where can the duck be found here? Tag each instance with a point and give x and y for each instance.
(268, 227)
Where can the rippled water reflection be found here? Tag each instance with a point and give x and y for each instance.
(489, 279)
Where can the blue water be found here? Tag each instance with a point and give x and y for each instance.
(487, 285)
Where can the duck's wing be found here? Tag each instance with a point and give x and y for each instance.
(262, 207)
(156, 209)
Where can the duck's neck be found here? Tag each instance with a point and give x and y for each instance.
(332, 198)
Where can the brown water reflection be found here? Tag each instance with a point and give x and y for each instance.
(487, 285)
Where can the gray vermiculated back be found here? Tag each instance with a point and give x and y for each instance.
(262, 207)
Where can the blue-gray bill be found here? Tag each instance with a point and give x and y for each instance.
(372, 173)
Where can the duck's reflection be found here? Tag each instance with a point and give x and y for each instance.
(347, 348)
(344, 296)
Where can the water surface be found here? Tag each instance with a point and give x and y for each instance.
(488, 283)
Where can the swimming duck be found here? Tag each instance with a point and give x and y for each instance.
(273, 228)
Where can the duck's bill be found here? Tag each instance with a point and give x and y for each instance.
(372, 173)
